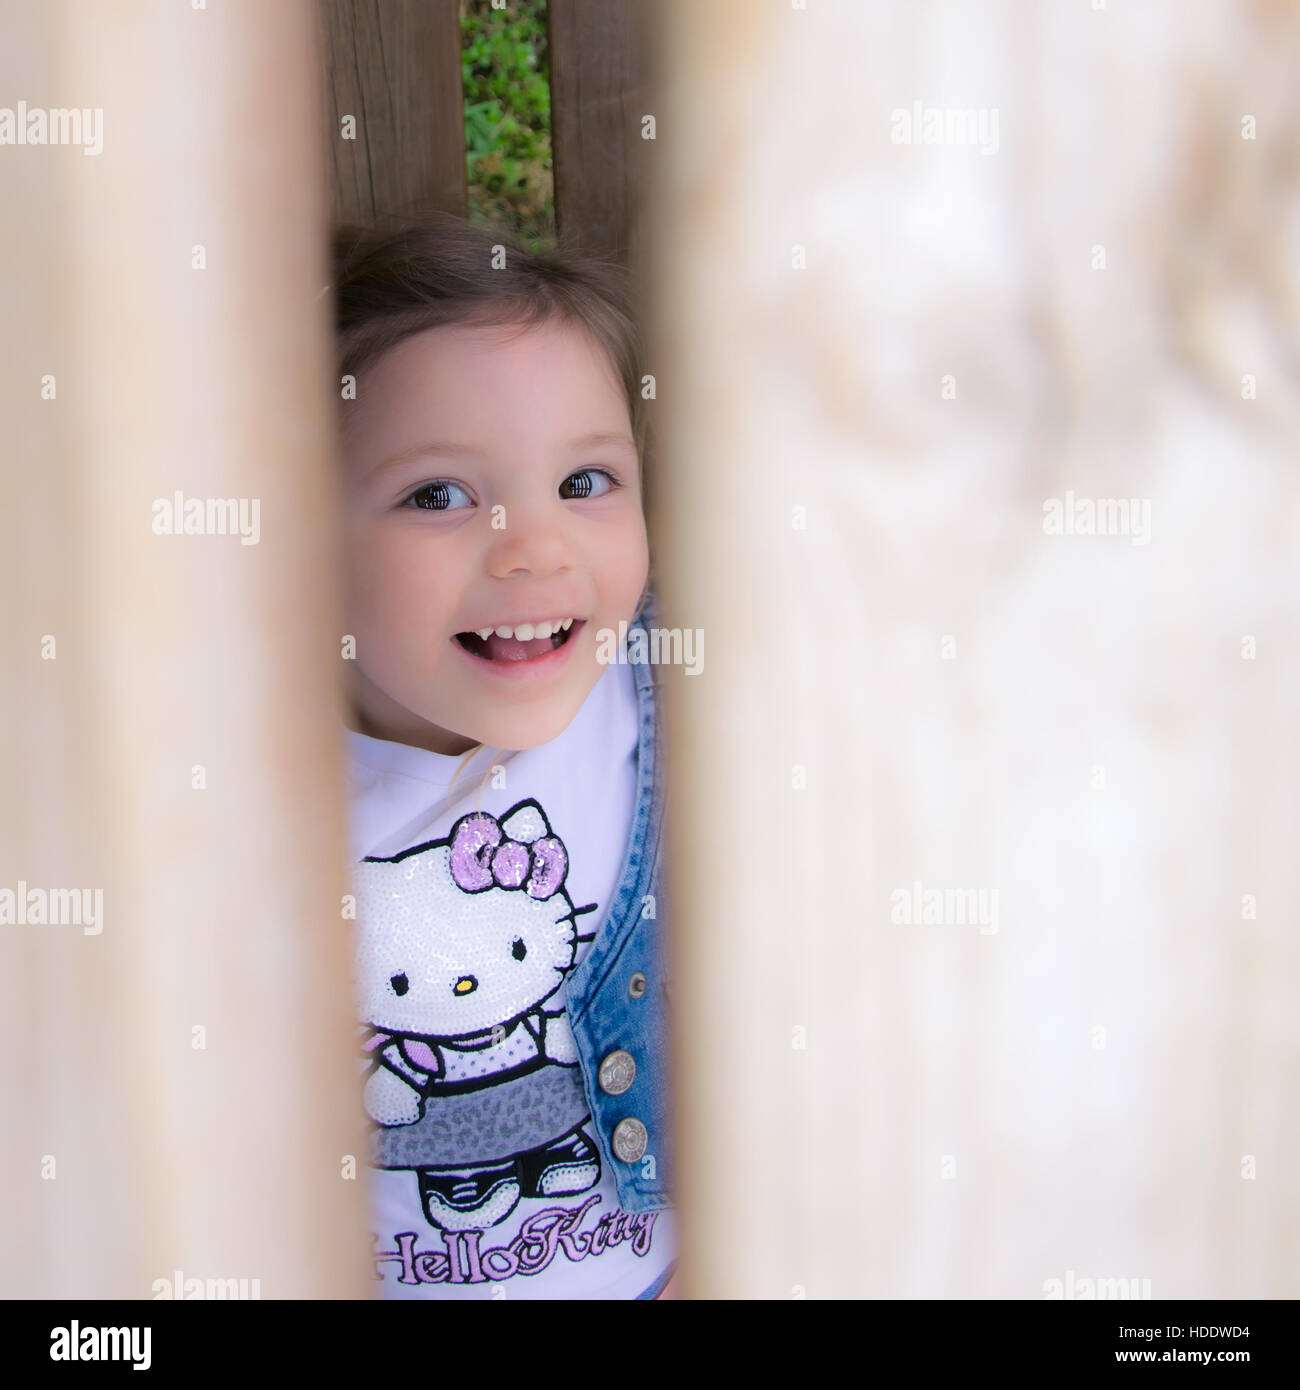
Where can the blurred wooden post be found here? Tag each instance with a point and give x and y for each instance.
(394, 67)
(601, 85)
(885, 363)
(177, 1079)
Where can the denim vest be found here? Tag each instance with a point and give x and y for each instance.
(617, 996)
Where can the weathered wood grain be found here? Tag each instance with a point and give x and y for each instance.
(394, 65)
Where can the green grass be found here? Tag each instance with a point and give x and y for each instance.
(505, 71)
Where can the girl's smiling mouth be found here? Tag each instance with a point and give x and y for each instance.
(508, 654)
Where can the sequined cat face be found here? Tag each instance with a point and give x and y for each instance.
(437, 961)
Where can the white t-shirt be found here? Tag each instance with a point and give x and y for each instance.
(487, 898)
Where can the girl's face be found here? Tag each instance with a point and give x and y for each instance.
(491, 480)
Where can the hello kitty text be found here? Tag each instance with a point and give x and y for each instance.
(541, 1238)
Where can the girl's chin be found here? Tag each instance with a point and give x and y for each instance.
(508, 716)
(528, 729)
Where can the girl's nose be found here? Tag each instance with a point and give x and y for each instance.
(530, 547)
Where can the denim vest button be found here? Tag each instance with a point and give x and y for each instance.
(617, 1073)
(636, 985)
(630, 1139)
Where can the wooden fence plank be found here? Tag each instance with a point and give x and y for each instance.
(394, 66)
(177, 1075)
(601, 88)
(981, 482)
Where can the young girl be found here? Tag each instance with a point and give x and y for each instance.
(507, 766)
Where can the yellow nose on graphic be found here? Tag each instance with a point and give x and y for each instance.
(467, 984)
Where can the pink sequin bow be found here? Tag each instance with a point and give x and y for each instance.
(483, 856)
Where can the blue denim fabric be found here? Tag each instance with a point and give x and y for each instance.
(604, 1015)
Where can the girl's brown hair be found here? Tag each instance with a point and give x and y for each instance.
(430, 269)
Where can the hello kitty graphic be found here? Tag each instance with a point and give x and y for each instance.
(472, 1076)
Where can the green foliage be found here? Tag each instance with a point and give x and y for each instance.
(505, 71)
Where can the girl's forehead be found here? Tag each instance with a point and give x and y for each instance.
(515, 338)
(458, 377)
(552, 339)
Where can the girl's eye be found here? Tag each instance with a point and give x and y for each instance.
(584, 483)
(436, 497)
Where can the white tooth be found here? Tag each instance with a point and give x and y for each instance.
(484, 632)
(567, 624)
(524, 632)
(505, 631)
(545, 629)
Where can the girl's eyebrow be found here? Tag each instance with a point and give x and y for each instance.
(420, 450)
(584, 441)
